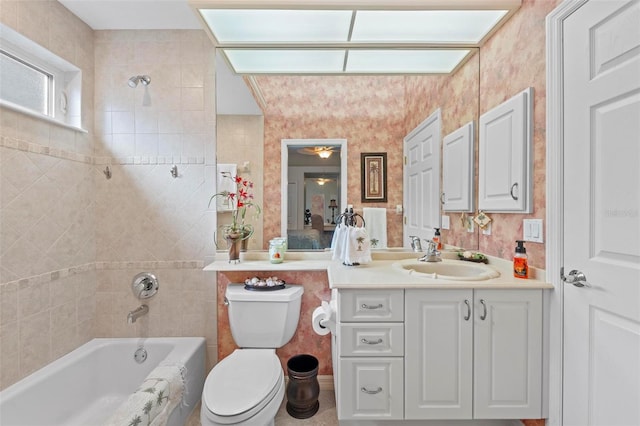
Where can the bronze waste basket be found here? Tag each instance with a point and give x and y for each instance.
(303, 388)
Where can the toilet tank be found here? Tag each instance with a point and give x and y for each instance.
(263, 319)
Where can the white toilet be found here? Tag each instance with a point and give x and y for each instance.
(247, 387)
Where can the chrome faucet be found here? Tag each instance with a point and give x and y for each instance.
(416, 246)
(137, 313)
(432, 254)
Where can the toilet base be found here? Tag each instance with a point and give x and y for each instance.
(303, 412)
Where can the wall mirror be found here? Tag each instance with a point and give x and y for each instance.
(456, 94)
(316, 190)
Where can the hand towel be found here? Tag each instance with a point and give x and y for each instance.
(154, 400)
(224, 183)
(375, 219)
(358, 246)
(339, 242)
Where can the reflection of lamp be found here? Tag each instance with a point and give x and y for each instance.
(333, 206)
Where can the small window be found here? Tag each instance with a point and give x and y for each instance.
(36, 82)
(25, 85)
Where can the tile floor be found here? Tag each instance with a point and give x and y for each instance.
(326, 415)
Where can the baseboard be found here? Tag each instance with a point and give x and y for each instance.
(325, 382)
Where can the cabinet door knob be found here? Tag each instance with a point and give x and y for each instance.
(371, 342)
(370, 392)
(466, 317)
(365, 306)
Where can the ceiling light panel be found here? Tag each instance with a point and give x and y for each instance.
(278, 26)
(424, 26)
(286, 61)
(405, 61)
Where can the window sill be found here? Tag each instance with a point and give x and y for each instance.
(48, 119)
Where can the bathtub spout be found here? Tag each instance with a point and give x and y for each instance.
(137, 313)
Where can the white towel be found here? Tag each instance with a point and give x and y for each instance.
(358, 248)
(224, 183)
(339, 242)
(375, 219)
(154, 400)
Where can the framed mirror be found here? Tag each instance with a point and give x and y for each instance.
(314, 190)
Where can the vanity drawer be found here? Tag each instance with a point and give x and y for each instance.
(371, 388)
(371, 339)
(371, 305)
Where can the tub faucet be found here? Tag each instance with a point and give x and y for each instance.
(137, 313)
(416, 246)
(432, 254)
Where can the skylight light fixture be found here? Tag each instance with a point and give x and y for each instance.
(350, 37)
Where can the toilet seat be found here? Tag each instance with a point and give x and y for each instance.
(241, 385)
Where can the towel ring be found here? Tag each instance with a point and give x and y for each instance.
(350, 218)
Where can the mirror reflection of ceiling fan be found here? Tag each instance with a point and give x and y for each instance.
(321, 151)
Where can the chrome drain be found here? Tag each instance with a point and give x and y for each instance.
(140, 355)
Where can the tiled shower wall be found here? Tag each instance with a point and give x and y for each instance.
(47, 220)
(72, 240)
(147, 220)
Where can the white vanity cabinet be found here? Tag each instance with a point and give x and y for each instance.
(466, 354)
(370, 352)
(473, 354)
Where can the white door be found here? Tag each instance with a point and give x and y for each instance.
(601, 383)
(421, 179)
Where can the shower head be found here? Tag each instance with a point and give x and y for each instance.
(144, 79)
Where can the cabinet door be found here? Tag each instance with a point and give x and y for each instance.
(505, 181)
(370, 388)
(508, 354)
(458, 169)
(438, 355)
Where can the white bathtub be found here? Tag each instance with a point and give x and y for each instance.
(84, 387)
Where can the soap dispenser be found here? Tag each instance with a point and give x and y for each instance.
(437, 240)
(520, 266)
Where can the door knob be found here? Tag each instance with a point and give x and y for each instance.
(576, 278)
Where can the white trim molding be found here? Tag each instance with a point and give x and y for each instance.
(555, 203)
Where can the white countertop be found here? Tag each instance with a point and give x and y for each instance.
(379, 274)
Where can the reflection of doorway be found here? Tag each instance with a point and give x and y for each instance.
(319, 189)
(321, 185)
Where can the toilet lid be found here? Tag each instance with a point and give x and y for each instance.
(241, 381)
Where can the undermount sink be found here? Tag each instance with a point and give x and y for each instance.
(454, 270)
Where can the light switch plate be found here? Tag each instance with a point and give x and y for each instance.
(445, 223)
(532, 230)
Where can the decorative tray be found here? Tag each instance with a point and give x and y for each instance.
(264, 284)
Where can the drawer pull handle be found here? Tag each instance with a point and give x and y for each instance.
(484, 313)
(371, 342)
(466, 318)
(365, 306)
(370, 392)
